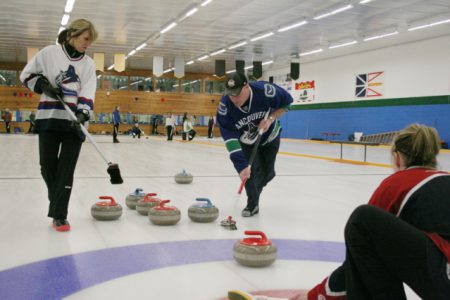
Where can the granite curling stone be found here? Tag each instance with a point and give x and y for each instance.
(203, 212)
(149, 201)
(255, 252)
(164, 215)
(106, 210)
(132, 199)
(183, 177)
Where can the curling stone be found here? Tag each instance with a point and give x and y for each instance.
(203, 212)
(106, 210)
(134, 197)
(144, 205)
(255, 252)
(183, 177)
(164, 215)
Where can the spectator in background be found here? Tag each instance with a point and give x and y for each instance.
(211, 123)
(170, 126)
(32, 119)
(7, 117)
(188, 129)
(136, 131)
(116, 122)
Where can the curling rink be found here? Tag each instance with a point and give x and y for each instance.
(303, 211)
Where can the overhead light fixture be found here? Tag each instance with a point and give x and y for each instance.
(230, 71)
(267, 62)
(65, 19)
(132, 52)
(364, 1)
(218, 52)
(429, 25)
(249, 67)
(69, 6)
(203, 57)
(343, 45)
(237, 45)
(292, 26)
(99, 76)
(168, 70)
(190, 62)
(311, 52)
(375, 37)
(263, 36)
(168, 27)
(141, 46)
(206, 2)
(336, 11)
(110, 67)
(191, 12)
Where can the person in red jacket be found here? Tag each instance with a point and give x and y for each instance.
(402, 236)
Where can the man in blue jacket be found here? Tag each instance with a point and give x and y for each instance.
(116, 122)
(241, 115)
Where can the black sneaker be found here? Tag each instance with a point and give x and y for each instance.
(247, 212)
(61, 225)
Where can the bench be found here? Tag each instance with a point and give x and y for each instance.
(365, 144)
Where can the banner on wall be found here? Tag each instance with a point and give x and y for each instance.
(370, 85)
(303, 91)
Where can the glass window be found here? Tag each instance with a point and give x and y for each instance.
(214, 87)
(115, 82)
(191, 86)
(99, 82)
(167, 85)
(144, 84)
(7, 77)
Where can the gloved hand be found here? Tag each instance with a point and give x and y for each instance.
(82, 116)
(44, 86)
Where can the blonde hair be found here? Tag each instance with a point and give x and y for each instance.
(419, 145)
(77, 28)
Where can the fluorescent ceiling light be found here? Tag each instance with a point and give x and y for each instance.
(168, 70)
(190, 62)
(364, 1)
(69, 6)
(148, 79)
(218, 52)
(206, 2)
(110, 67)
(375, 37)
(263, 36)
(3, 78)
(203, 57)
(238, 45)
(267, 62)
(61, 29)
(65, 19)
(191, 12)
(292, 26)
(99, 76)
(343, 45)
(230, 71)
(132, 52)
(429, 25)
(168, 27)
(249, 67)
(333, 12)
(141, 46)
(311, 52)
(136, 82)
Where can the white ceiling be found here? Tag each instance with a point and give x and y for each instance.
(124, 25)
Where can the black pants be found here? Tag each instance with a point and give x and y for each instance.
(58, 153)
(383, 252)
(262, 169)
(115, 132)
(31, 129)
(169, 130)
(8, 127)
(190, 135)
(210, 132)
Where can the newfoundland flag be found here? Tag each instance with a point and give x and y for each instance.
(369, 85)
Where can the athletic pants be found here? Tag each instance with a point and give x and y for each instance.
(169, 130)
(58, 153)
(8, 127)
(115, 132)
(262, 169)
(383, 252)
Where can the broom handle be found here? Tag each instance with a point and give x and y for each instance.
(84, 130)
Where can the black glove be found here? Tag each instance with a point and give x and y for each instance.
(44, 86)
(82, 115)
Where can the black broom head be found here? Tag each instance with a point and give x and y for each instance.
(114, 173)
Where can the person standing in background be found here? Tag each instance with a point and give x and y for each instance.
(116, 122)
(7, 117)
(170, 126)
(32, 120)
(211, 123)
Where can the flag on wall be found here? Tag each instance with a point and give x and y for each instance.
(370, 85)
(303, 91)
